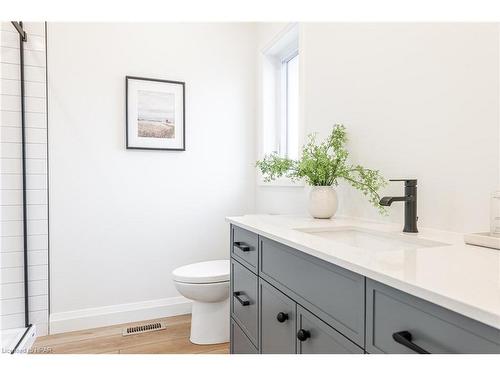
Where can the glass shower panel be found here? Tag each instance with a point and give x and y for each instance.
(22, 303)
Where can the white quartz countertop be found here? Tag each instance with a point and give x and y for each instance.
(459, 277)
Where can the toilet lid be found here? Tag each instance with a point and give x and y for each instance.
(214, 271)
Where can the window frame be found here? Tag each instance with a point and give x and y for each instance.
(273, 126)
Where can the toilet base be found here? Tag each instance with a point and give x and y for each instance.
(210, 322)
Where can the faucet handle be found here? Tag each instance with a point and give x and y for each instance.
(407, 181)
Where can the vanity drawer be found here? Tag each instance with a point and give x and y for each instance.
(332, 293)
(240, 343)
(244, 298)
(244, 247)
(424, 324)
(316, 337)
(277, 321)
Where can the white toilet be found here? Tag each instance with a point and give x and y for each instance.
(207, 285)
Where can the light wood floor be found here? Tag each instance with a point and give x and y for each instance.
(109, 340)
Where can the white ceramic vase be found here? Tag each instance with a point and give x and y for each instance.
(322, 202)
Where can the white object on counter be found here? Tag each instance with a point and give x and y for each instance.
(483, 239)
(322, 202)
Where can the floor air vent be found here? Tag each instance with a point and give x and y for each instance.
(150, 327)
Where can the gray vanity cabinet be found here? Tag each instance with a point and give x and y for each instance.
(286, 301)
(316, 337)
(277, 321)
(275, 299)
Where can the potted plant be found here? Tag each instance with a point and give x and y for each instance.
(322, 166)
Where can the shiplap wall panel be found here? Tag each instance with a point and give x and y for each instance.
(11, 254)
(16, 258)
(35, 242)
(33, 120)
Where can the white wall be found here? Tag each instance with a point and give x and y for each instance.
(11, 249)
(122, 220)
(418, 100)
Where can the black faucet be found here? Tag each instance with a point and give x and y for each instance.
(410, 200)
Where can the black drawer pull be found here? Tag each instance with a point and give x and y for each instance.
(282, 317)
(303, 335)
(243, 302)
(242, 246)
(404, 338)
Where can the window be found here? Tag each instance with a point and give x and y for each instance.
(290, 143)
(280, 95)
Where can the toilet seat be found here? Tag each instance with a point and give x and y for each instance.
(215, 271)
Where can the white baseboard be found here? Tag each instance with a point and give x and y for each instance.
(116, 314)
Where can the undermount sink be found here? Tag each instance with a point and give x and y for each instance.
(371, 239)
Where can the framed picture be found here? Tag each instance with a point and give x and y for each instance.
(155, 114)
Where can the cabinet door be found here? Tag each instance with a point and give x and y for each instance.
(278, 321)
(399, 323)
(240, 343)
(316, 337)
(244, 301)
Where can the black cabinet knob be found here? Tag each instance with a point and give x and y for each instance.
(303, 335)
(282, 317)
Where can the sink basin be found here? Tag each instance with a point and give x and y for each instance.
(371, 239)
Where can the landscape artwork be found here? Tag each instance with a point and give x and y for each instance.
(155, 114)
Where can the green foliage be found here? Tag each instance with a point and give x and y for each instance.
(324, 165)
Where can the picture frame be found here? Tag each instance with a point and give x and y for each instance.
(155, 114)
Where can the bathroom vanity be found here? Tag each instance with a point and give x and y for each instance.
(300, 285)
